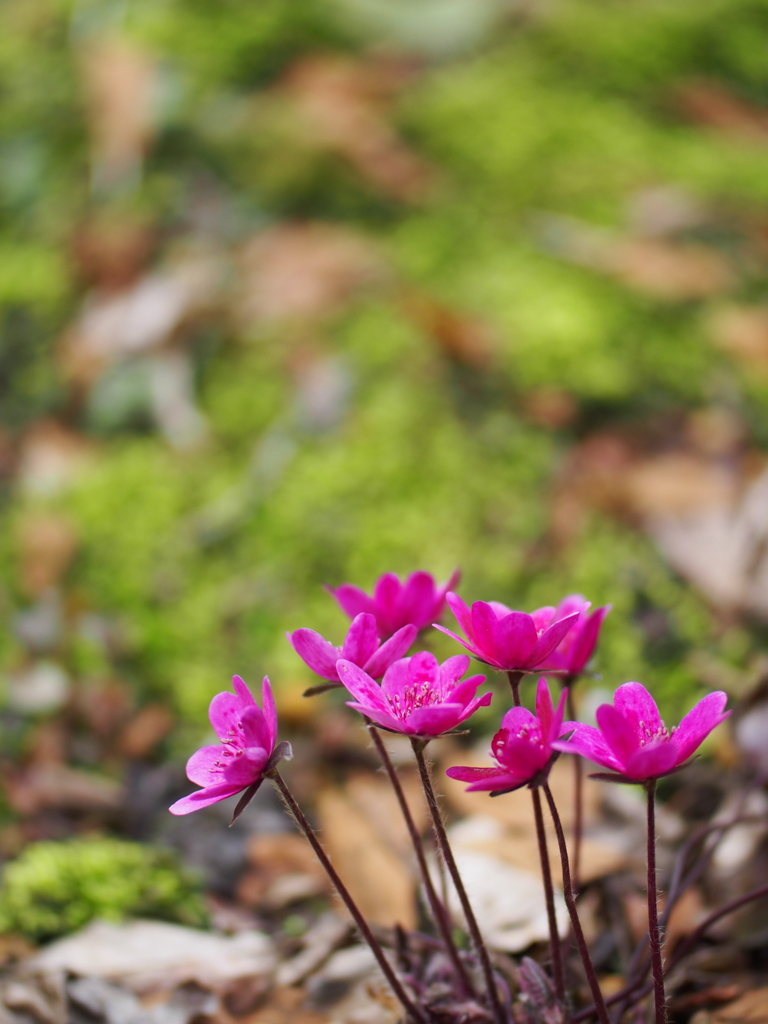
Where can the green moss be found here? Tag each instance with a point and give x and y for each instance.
(54, 888)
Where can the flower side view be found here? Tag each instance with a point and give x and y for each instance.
(522, 748)
(633, 742)
(361, 647)
(417, 601)
(246, 752)
(577, 646)
(508, 640)
(417, 696)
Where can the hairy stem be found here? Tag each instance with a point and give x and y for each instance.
(365, 930)
(654, 933)
(447, 854)
(570, 902)
(578, 793)
(549, 896)
(438, 908)
(514, 682)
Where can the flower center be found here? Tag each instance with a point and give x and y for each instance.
(653, 734)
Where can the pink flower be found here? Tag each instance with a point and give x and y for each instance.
(246, 752)
(522, 748)
(634, 743)
(417, 695)
(418, 601)
(361, 647)
(510, 641)
(575, 649)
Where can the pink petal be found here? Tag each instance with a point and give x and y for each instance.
(270, 712)
(396, 678)
(461, 612)
(477, 702)
(543, 618)
(524, 757)
(544, 709)
(361, 686)
(462, 693)
(417, 599)
(204, 767)
(652, 760)
(385, 598)
(514, 636)
(570, 604)
(634, 702)
(390, 651)
(202, 798)
(382, 718)
(621, 734)
(485, 780)
(224, 713)
(352, 599)
(586, 639)
(315, 651)
(451, 670)
(442, 592)
(590, 743)
(434, 720)
(518, 718)
(361, 640)
(242, 691)
(424, 670)
(699, 723)
(499, 610)
(460, 640)
(548, 641)
(255, 730)
(557, 721)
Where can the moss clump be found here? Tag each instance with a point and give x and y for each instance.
(56, 887)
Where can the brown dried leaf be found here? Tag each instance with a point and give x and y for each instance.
(750, 1008)
(360, 845)
(58, 787)
(118, 79)
(343, 106)
(282, 869)
(667, 270)
(304, 272)
(709, 103)
(47, 544)
(742, 331)
(145, 731)
(459, 336)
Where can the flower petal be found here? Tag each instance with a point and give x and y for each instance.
(417, 599)
(315, 651)
(205, 766)
(590, 743)
(461, 612)
(460, 640)
(361, 686)
(382, 718)
(352, 599)
(633, 701)
(224, 712)
(442, 592)
(242, 691)
(544, 709)
(570, 604)
(621, 734)
(270, 712)
(390, 651)
(360, 642)
(385, 598)
(586, 638)
(484, 623)
(699, 723)
(543, 617)
(451, 671)
(652, 760)
(484, 780)
(202, 798)
(395, 680)
(514, 637)
(256, 733)
(548, 641)
(463, 692)
(433, 720)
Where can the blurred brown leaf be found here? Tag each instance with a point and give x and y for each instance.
(709, 103)
(273, 859)
(110, 253)
(749, 1008)
(458, 335)
(359, 840)
(118, 79)
(742, 331)
(47, 545)
(344, 107)
(302, 272)
(53, 786)
(145, 731)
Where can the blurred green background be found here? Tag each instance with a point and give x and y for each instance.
(300, 293)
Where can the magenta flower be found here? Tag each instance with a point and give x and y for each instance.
(417, 696)
(522, 748)
(510, 641)
(246, 752)
(634, 743)
(361, 647)
(575, 649)
(418, 601)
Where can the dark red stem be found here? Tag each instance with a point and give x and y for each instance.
(570, 902)
(514, 682)
(438, 909)
(654, 932)
(397, 987)
(447, 854)
(549, 896)
(578, 793)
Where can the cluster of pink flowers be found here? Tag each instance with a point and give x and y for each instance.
(419, 697)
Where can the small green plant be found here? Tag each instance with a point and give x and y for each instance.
(56, 887)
